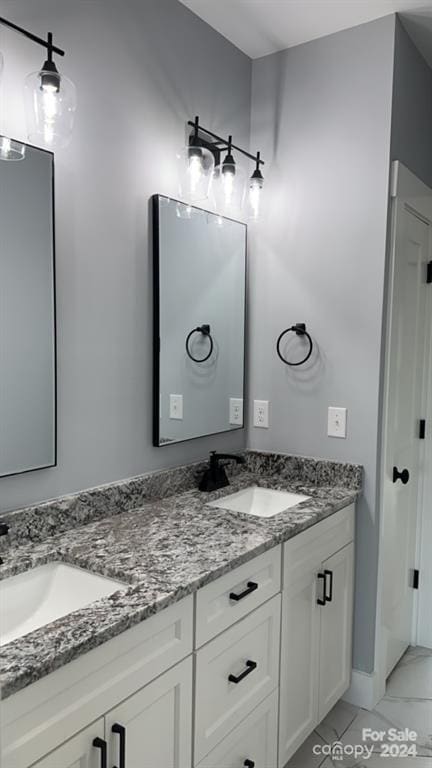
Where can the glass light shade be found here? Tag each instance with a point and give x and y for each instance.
(256, 184)
(229, 189)
(50, 109)
(11, 149)
(195, 173)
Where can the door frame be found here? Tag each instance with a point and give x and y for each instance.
(404, 186)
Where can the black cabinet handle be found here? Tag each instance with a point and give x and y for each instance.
(120, 730)
(250, 666)
(328, 597)
(249, 764)
(102, 745)
(252, 586)
(404, 476)
(322, 600)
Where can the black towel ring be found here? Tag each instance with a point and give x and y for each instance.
(300, 330)
(205, 330)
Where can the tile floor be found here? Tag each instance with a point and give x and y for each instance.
(407, 704)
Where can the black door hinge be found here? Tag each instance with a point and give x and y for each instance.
(429, 272)
(415, 578)
(422, 429)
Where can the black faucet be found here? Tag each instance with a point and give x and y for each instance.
(215, 476)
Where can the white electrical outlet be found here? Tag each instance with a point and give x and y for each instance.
(176, 407)
(261, 414)
(236, 411)
(337, 422)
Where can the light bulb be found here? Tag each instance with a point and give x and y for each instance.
(255, 186)
(228, 178)
(50, 111)
(50, 107)
(195, 171)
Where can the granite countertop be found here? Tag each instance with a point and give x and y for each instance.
(163, 551)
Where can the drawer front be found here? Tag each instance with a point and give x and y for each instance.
(318, 543)
(254, 740)
(223, 602)
(234, 673)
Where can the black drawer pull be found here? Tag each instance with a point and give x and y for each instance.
(102, 745)
(328, 597)
(250, 666)
(322, 600)
(249, 764)
(252, 586)
(120, 730)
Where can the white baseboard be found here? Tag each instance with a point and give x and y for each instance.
(364, 690)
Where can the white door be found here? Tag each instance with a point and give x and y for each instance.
(336, 629)
(299, 661)
(406, 375)
(78, 752)
(154, 726)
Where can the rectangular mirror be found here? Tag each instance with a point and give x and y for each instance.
(199, 322)
(27, 313)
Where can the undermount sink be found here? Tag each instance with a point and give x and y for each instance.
(260, 502)
(35, 598)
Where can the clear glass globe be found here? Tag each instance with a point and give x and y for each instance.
(229, 189)
(195, 173)
(50, 102)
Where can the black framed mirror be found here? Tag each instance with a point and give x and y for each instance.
(27, 311)
(199, 294)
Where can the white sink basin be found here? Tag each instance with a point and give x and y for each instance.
(37, 597)
(260, 502)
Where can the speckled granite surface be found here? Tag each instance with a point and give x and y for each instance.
(163, 551)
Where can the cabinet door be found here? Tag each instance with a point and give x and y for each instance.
(298, 712)
(336, 629)
(78, 752)
(157, 723)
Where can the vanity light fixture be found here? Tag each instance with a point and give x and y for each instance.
(229, 179)
(50, 96)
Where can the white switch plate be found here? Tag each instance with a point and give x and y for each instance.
(337, 422)
(236, 411)
(261, 413)
(176, 407)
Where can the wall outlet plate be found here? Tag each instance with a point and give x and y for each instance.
(176, 407)
(337, 422)
(236, 411)
(261, 414)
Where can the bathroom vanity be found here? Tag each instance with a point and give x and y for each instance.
(247, 620)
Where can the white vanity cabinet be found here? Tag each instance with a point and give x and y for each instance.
(202, 683)
(317, 604)
(79, 751)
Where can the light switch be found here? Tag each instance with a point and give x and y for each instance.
(236, 411)
(261, 414)
(176, 407)
(337, 422)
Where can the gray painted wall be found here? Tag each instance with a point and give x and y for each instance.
(141, 70)
(321, 114)
(412, 108)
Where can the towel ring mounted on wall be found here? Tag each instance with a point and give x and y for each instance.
(300, 330)
(205, 330)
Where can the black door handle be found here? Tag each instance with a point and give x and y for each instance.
(102, 745)
(322, 600)
(249, 764)
(250, 666)
(252, 586)
(120, 730)
(404, 476)
(328, 597)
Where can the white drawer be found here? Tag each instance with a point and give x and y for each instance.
(221, 703)
(254, 740)
(226, 600)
